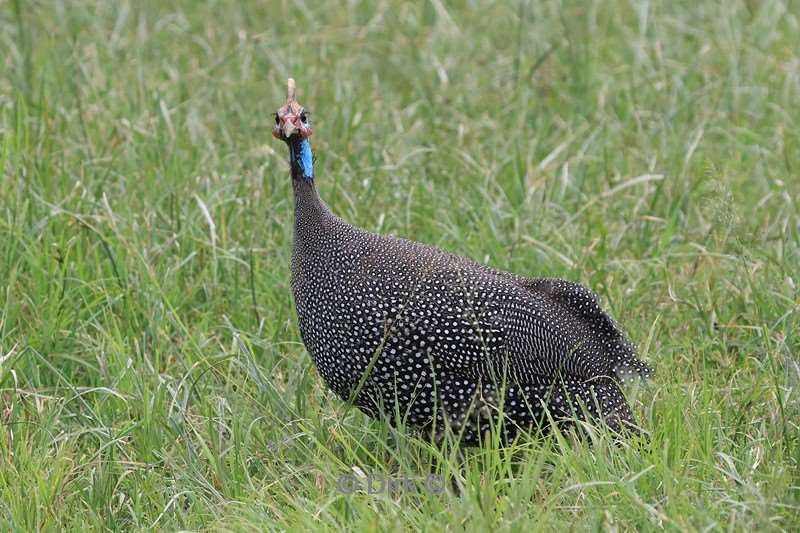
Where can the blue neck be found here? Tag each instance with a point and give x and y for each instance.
(301, 159)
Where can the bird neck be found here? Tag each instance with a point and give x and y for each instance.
(301, 159)
(307, 203)
(313, 224)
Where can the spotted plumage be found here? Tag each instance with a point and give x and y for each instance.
(442, 341)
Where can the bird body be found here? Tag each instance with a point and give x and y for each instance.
(439, 340)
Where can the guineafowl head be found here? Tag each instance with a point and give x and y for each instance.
(292, 126)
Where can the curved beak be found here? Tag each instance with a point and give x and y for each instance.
(288, 125)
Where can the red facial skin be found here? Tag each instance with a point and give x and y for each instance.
(290, 122)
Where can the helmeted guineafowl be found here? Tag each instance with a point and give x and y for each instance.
(413, 331)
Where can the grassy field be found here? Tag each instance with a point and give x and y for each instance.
(151, 371)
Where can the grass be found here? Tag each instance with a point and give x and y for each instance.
(151, 372)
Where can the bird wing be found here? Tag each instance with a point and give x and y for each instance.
(527, 327)
(476, 319)
(586, 314)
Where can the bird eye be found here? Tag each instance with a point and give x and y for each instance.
(303, 117)
(277, 120)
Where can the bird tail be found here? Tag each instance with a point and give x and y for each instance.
(631, 369)
(598, 399)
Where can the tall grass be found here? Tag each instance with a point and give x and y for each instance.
(151, 373)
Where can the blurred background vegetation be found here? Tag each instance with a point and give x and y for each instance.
(151, 373)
